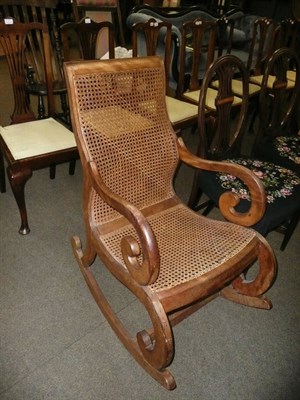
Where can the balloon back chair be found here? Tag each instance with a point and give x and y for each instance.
(29, 144)
(172, 259)
(219, 141)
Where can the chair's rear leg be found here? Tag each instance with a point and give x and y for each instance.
(249, 292)
(289, 230)
(2, 174)
(72, 166)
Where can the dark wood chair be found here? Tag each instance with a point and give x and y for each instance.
(29, 144)
(81, 7)
(220, 141)
(197, 51)
(88, 33)
(172, 259)
(43, 12)
(155, 38)
(278, 138)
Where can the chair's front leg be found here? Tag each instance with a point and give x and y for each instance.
(18, 175)
(2, 175)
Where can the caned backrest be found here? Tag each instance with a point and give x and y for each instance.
(120, 121)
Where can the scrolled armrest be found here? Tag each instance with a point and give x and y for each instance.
(146, 272)
(229, 200)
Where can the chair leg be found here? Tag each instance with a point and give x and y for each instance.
(250, 292)
(2, 174)
(290, 230)
(153, 351)
(52, 169)
(72, 166)
(195, 192)
(18, 176)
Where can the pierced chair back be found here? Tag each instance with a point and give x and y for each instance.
(278, 138)
(88, 34)
(87, 8)
(279, 104)
(15, 38)
(43, 12)
(197, 51)
(153, 32)
(152, 38)
(289, 33)
(264, 40)
(222, 132)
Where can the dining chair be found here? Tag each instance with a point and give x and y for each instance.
(278, 138)
(88, 35)
(170, 258)
(197, 52)
(222, 140)
(30, 144)
(151, 38)
(43, 12)
(83, 8)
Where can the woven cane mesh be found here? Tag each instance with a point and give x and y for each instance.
(127, 132)
(190, 245)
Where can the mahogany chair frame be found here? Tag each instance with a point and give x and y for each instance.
(44, 12)
(181, 113)
(81, 7)
(87, 32)
(223, 142)
(13, 38)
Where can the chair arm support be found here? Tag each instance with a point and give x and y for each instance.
(145, 272)
(229, 200)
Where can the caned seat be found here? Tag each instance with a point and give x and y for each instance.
(173, 260)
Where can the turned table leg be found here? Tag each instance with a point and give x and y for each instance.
(18, 176)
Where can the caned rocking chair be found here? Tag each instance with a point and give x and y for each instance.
(172, 259)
